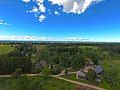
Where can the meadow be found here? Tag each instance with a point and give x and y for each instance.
(4, 49)
(50, 84)
(88, 47)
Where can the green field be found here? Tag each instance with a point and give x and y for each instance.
(112, 71)
(89, 47)
(103, 84)
(50, 84)
(4, 49)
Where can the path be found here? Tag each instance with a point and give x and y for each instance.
(61, 78)
(79, 83)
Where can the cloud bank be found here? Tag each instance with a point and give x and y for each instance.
(68, 6)
(33, 38)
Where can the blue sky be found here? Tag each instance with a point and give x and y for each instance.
(99, 21)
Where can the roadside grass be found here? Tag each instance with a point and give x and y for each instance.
(50, 84)
(103, 84)
(72, 70)
(4, 49)
(73, 77)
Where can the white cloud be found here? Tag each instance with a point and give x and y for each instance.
(26, 1)
(40, 1)
(74, 6)
(76, 39)
(42, 18)
(33, 38)
(25, 38)
(57, 13)
(69, 6)
(42, 8)
(34, 10)
(2, 22)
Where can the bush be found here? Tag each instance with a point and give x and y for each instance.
(17, 73)
(91, 75)
(36, 84)
(66, 71)
(36, 70)
(56, 71)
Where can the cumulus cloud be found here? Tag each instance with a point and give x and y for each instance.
(68, 6)
(57, 13)
(42, 8)
(34, 10)
(26, 1)
(74, 6)
(42, 18)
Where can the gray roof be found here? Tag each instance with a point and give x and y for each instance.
(98, 69)
(41, 64)
(80, 73)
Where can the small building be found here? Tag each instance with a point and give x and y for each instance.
(80, 74)
(41, 64)
(83, 71)
(98, 69)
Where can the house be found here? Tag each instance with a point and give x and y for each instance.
(83, 71)
(80, 74)
(41, 64)
(98, 69)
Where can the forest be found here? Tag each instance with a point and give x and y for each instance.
(22, 60)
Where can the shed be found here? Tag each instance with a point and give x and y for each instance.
(41, 64)
(98, 69)
(80, 74)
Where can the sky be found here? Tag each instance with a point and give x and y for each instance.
(60, 20)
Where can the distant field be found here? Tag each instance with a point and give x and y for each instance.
(5, 49)
(93, 47)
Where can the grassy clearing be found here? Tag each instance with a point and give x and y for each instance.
(103, 84)
(73, 77)
(51, 84)
(4, 49)
(112, 69)
(89, 47)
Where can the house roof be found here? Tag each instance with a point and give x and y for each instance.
(41, 63)
(80, 73)
(98, 69)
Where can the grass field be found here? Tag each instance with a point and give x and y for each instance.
(4, 49)
(103, 84)
(51, 84)
(112, 69)
(92, 47)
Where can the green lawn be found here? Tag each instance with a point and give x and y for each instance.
(73, 77)
(93, 47)
(112, 70)
(103, 84)
(4, 49)
(50, 84)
